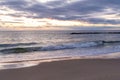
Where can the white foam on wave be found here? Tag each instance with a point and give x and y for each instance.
(53, 47)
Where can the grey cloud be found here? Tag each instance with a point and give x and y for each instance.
(69, 11)
(13, 4)
(99, 20)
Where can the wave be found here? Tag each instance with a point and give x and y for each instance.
(52, 47)
(56, 47)
(17, 44)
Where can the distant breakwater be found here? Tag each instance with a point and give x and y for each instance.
(95, 33)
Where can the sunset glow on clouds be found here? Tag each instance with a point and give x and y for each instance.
(58, 14)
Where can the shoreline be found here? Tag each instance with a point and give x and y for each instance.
(75, 69)
(29, 63)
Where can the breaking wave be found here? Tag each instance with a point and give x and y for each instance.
(54, 47)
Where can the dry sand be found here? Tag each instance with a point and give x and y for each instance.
(82, 69)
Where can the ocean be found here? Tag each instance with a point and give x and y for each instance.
(28, 48)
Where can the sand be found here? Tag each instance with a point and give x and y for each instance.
(80, 69)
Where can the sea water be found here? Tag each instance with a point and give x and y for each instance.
(20, 48)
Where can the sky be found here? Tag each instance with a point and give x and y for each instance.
(58, 14)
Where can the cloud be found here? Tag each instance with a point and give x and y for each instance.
(94, 11)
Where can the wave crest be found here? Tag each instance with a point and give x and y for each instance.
(53, 47)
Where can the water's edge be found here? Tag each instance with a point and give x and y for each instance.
(30, 63)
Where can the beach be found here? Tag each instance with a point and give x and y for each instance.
(76, 69)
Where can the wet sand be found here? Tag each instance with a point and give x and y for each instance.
(80, 69)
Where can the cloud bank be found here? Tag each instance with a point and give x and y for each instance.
(93, 11)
